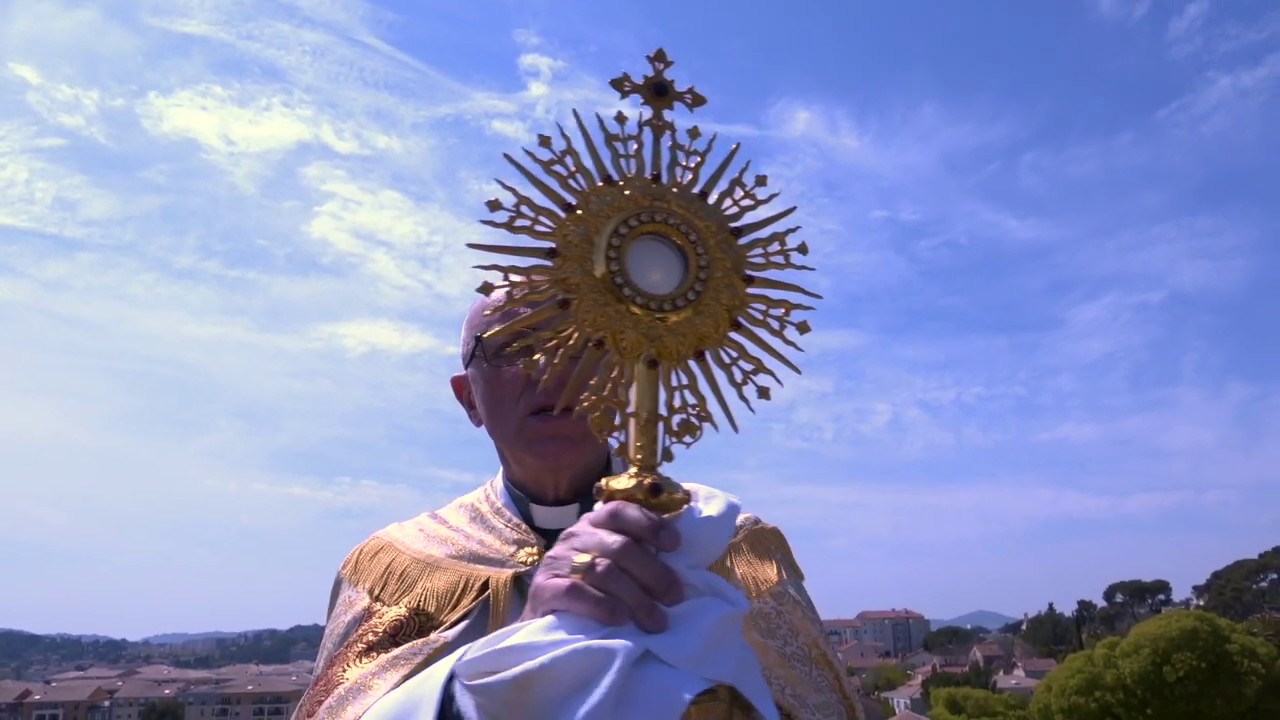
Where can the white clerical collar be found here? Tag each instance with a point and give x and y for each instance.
(554, 517)
(539, 517)
(548, 517)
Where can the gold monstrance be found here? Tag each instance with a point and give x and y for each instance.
(646, 281)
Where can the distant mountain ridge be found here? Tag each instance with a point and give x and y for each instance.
(979, 618)
(24, 655)
(180, 638)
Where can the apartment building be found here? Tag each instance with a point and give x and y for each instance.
(841, 632)
(900, 631)
(11, 696)
(67, 701)
(133, 696)
(261, 698)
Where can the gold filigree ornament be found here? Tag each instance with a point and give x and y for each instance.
(646, 279)
(529, 556)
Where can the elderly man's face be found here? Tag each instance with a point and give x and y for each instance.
(507, 402)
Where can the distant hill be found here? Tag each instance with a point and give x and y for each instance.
(65, 636)
(981, 618)
(180, 638)
(24, 652)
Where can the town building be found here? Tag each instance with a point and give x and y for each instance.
(900, 631)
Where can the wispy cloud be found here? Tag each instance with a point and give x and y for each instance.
(232, 264)
(222, 268)
(1224, 96)
(1124, 10)
(1183, 32)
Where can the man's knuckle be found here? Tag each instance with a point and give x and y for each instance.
(605, 567)
(615, 546)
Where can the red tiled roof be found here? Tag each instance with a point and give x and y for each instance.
(1008, 682)
(67, 692)
(93, 673)
(166, 674)
(865, 663)
(890, 615)
(1045, 664)
(989, 649)
(858, 645)
(141, 690)
(259, 685)
(13, 690)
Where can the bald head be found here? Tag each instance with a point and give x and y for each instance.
(476, 321)
(481, 319)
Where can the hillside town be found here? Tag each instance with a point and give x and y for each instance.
(900, 664)
(158, 691)
(871, 640)
(879, 639)
(127, 690)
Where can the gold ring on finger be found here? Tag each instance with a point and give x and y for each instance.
(581, 564)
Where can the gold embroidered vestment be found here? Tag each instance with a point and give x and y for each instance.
(400, 593)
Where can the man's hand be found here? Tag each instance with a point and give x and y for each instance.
(626, 581)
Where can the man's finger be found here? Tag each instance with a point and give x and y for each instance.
(637, 523)
(581, 599)
(654, 578)
(605, 575)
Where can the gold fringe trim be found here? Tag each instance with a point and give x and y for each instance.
(447, 590)
(500, 593)
(758, 559)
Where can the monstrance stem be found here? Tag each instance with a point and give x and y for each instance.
(642, 426)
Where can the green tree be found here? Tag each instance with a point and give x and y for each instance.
(975, 704)
(884, 676)
(1049, 633)
(1243, 588)
(1013, 628)
(1181, 665)
(1265, 626)
(162, 710)
(976, 677)
(1084, 620)
(947, 636)
(1138, 597)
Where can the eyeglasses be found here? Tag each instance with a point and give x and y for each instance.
(509, 353)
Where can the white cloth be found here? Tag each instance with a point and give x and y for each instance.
(565, 667)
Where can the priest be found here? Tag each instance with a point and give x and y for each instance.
(529, 544)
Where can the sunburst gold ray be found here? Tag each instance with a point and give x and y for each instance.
(766, 283)
(526, 321)
(716, 175)
(515, 270)
(547, 191)
(760, 343)
(773, 315)
(512, 250)
(592, 360)
(752, 228)
(709, 375)
(626, 149)
(592, 150)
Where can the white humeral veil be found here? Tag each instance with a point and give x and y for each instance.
(565, 667)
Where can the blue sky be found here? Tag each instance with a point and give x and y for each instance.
(232, 269)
